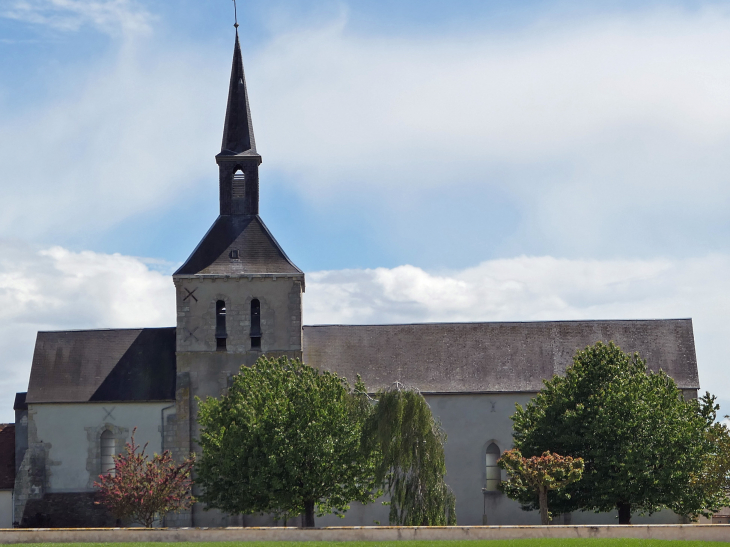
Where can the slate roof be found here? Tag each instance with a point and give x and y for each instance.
(259, 252)
(7, 456)
(103, 365)
(238, 139)
(19, 403)
(491, 357)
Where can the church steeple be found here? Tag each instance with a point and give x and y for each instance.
(238, 130)
(238, 159)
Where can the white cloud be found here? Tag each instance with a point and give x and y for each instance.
(135, 134)
(56, 289)
(107, 16)
(605, 136)
(618, 126)
(541, 288)
(547, 94)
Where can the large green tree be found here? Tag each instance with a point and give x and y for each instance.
(645, 448)
(714, 476)
(285, 439)
(410, 447)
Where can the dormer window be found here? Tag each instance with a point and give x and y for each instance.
(220, 325)
(239, 185)
(234, 254)
(255, 324)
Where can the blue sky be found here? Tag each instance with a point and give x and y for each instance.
(571, 156)
(387, 208)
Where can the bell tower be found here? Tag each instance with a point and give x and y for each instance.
(238, 294)
(238, 161)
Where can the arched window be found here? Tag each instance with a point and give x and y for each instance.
(220, 325)
(108, 451)
(494, 474)
(239, 185)
(255, 324)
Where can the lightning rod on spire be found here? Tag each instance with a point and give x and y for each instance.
(235, 14)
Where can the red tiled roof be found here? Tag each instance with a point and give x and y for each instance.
(7, 456)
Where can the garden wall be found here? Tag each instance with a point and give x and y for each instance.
(695, 532)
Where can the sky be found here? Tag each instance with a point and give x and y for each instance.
(436, 160)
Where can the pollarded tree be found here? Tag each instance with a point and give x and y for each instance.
(141, 489)
(538, 474)
(643, 445)
(410, 444)
(285, 439)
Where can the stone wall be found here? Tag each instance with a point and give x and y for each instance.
(61, 463)
(66, 510)
(6, 508)
(687, 532)
(281, 313)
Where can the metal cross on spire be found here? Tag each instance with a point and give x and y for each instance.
(235, 14)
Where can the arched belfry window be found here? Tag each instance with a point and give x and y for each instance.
(239, 185)
(494, 474)
(220, 325)
(108, 451)
(255, 324)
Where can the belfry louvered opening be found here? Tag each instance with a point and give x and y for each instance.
(239, 185)
(255, 324)
(220, 325)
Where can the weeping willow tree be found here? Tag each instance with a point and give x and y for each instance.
(412, 467)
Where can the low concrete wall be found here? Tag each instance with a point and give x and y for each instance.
(695, 532)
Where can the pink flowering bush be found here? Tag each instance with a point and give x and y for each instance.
(141, 489)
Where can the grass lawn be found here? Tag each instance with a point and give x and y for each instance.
(556, 542)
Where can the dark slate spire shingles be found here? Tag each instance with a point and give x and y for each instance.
(238, 243)
(258, 251)
(238, 138)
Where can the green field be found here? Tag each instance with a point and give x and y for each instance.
(559, 542)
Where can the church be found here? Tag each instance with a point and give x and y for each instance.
(239, 296)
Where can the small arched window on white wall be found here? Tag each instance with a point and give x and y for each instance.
(494, 475)
(108, 451)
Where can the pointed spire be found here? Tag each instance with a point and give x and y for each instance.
(238, 136)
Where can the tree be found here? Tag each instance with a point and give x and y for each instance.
(643, 445)
(538, 474)
(410, 444)
(285, 439)
(141, 489)
(713, 480)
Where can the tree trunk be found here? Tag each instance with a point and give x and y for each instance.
(309, 514)
(624, 513)
(544, 519)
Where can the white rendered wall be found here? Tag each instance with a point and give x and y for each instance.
(6, 508)
(472, 422)
(70, 433)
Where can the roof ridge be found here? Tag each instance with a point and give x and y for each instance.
(499, 322)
